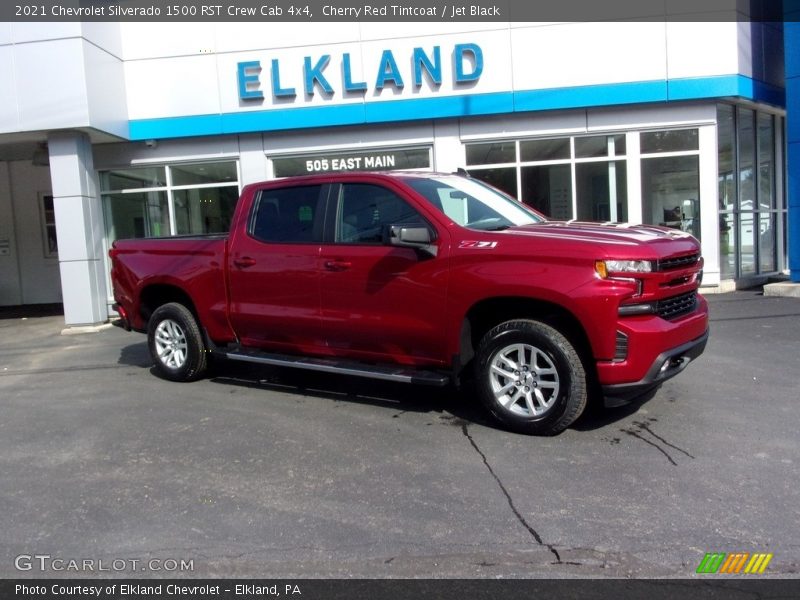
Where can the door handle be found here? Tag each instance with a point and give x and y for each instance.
(338, 265)
(244, 262)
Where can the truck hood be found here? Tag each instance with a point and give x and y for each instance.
(616, 238)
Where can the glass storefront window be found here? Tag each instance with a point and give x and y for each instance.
(204, 210)
(548, 189)
(504, 179)
(136, 215)
(671, 192)
(190, 198)
(727, 246)
(602, 190)
(748, 188)
(746, 148)
(766, 162)
(541, 150)
(599, 145)
(671, 140)
(725, 160)
(132, 179)
(747, 248)
(204, 173)
(548, 167)
(492, 153)
(766, 243)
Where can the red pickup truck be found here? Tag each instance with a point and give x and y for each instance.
(423, 278)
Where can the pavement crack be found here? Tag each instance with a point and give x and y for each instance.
(646, 427)
(635, 434)
(509, 499)
(643, 427)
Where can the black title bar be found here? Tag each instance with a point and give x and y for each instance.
(390, 10)
(702, 588)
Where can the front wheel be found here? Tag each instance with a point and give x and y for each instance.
(176, 343)
(530, 377)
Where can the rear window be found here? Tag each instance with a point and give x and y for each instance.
(288, 215)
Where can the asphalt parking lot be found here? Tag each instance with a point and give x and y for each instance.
(278, 473)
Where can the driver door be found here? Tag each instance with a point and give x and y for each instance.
(380, 302)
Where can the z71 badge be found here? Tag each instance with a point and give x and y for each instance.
(479, 245)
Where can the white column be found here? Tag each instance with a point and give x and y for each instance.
(448, 151)
(633, 150)
(79, 227)
(709, 204)
(252, 159)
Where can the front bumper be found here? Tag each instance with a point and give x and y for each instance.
(666, 365)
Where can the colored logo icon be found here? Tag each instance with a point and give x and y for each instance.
(734, 563)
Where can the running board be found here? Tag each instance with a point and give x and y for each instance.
(394, 373)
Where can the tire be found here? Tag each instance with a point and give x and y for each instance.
(176, 343)
(530, 377)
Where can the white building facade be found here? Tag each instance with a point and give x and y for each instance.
(112, 130)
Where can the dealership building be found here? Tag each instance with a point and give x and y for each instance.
(118, 130)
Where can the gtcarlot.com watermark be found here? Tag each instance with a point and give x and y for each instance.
(48, 563)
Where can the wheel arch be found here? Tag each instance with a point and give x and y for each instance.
(487, 313)
(155, 295)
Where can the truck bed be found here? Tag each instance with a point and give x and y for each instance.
(194, 263)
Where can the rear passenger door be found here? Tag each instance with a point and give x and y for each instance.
(274, 270)
(380, 302)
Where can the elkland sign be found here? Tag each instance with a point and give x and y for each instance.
(359, 82)
(255, 80)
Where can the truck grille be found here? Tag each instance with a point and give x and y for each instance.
(677, 306)
(678, 262)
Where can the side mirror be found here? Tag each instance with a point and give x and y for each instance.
(411, 236)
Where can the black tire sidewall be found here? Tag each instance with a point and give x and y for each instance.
(558, 350)
(195, 363)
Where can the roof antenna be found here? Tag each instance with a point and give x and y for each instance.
(462, 171)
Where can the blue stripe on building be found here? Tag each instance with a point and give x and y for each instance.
(360, 113)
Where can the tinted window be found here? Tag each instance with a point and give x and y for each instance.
(365, 210)
(289, 215)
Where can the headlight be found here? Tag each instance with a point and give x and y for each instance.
(606, 268)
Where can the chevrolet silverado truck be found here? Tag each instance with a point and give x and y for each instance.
(423, 278)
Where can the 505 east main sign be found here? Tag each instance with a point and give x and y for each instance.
(465, 64)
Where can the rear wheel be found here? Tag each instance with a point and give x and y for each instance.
(530, 377)
(176, 343)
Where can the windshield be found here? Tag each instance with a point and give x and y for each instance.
(472, 203)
